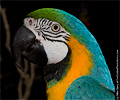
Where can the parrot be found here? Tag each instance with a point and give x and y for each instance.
(73, 64)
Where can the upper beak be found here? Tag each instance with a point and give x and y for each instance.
(25, 44)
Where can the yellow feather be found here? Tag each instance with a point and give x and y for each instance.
(81, 63)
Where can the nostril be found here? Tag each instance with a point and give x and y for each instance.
(36, 41)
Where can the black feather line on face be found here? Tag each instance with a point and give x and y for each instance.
(66, 38)
(44, 37)
(54, 33)
(43, 21)
(51, 36)
(55, 40)
(55, 71)
(50, 23)
(48, 28)
(52, 40)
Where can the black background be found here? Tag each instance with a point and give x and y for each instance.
(103, 25)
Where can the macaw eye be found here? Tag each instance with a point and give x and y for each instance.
(55, 27)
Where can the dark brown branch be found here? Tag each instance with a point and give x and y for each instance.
(28, 81)
(7, 29)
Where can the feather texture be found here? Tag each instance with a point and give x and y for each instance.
(88, 88)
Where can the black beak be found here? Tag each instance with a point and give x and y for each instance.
(25, 44)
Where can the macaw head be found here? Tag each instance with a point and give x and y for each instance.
(42, 39)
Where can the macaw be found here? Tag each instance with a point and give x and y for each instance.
(72, 61)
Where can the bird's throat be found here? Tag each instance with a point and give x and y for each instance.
(79, 63)
(56, 72)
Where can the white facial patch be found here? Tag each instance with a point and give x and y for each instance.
(56, 51)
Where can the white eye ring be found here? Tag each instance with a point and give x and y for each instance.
(55, 27)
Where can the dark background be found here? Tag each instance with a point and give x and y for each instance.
(103, 24)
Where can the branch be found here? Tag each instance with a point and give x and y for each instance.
(7, 29)
(27, 80)
(20, 89)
